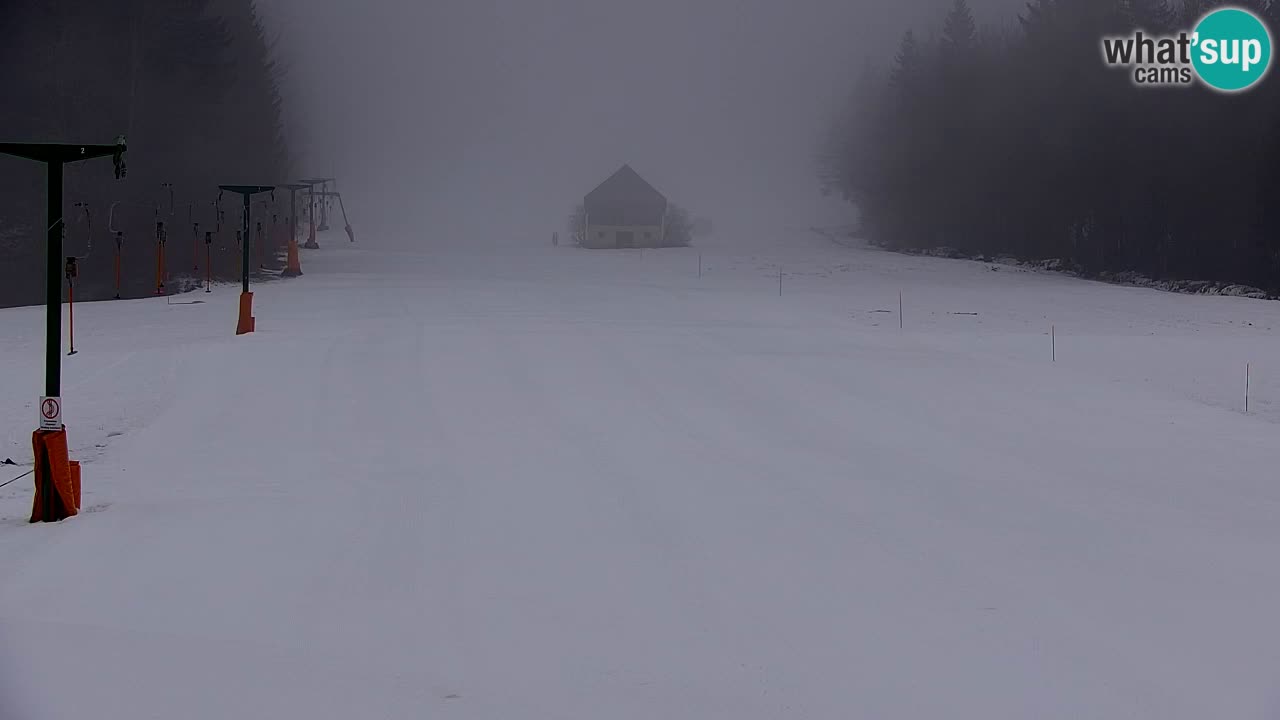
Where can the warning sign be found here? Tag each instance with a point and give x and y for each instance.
(50, 413)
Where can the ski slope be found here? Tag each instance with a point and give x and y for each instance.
(555, 483)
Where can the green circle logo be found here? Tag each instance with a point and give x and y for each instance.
(1232, 49)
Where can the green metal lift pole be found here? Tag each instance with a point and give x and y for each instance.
(324, 205)
(293, 207)
(311, 204)
(324, 195)
(53, 285)
(247, 192)
(324, 208)
(293, 263)
(54, 156)
(248, 242)
(246, 323)
(311, 184)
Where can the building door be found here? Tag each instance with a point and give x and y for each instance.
(626, 238)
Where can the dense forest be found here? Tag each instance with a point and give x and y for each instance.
(193, 86)
(1019, 141)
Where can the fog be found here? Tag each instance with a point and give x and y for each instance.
(483, 121)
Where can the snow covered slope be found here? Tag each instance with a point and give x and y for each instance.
(569, 484)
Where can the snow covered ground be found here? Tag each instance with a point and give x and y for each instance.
(554, 483)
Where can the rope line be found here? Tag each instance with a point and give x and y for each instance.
(9, 482)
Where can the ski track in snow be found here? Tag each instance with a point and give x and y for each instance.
(558, 483)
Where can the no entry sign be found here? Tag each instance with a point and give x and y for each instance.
(50, 413)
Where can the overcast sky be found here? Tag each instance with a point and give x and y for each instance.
(494, 117)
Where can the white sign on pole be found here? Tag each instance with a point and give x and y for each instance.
(50, 413)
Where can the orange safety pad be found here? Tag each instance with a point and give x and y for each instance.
(55, 493)
(294, 266)
(246, 323)
(75, 481)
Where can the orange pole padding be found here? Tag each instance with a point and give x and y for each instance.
(294, 267)
(247, 323)
(75, 482)
(57, 491)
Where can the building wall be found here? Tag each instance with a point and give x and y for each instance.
(606, 236)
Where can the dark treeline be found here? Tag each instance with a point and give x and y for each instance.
(193, 86)
(1022, 142)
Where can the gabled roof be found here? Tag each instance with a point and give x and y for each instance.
(624, 187)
